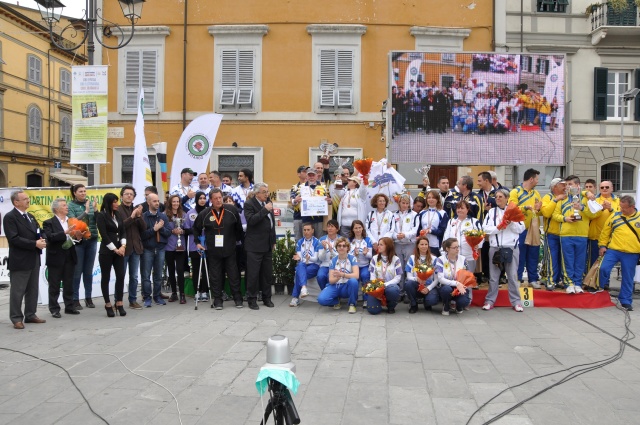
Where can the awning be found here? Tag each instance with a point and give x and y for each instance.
(70, 178)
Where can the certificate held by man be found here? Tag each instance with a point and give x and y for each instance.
(314, 206)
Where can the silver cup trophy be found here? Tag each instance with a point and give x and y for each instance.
(178, 222)
(575, 197)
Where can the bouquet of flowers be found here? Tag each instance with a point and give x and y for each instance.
(396, 197)
(375, 288)
(81, 230)
(511, 213)
(363, 166)
(467, 279)
(424, 271)
(473, 238)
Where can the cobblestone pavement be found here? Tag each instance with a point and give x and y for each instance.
(353, 368)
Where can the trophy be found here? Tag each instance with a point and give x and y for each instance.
(341, 163)
(575, 197)
(327, 149)
(424, 172)
(177, 222)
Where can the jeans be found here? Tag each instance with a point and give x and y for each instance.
(151, 258)
(332, 293)
(132, 261)
(462, 300)
(304, 272)
(543, 122)
(86, 253)
(392, 292)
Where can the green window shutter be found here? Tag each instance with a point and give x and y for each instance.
(600, 93)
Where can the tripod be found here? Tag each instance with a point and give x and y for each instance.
(203, 259)
(281, 404)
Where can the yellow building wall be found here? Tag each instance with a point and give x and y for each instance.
(287, 84)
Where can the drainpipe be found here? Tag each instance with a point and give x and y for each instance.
(184, 70)
(521, 25)
(49, 104)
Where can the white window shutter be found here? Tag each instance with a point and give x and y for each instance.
(345, 78)
(229, 77)
(38, 70)
(65, 130)
(327, 77)
(150, 78)
(35, 121)
(132, 78)
(246, 59)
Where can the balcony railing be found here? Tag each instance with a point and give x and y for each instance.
(602, 15)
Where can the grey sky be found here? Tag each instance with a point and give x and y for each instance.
(73, 8)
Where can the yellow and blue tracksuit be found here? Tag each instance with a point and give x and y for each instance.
(528, 254)
(623, 246)
(552, 249)
(573, 238)
(596, 226)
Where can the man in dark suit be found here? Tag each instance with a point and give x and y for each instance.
(61, 258)
(222, 228)
(25, 247)
(259, 242)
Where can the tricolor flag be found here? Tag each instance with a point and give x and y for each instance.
(141, 167)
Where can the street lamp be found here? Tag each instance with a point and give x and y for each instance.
(624, 98)
(51, 10)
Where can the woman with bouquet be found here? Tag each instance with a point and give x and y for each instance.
(458, 229)
(433, 221)
(362, 250)
(419, 266)
(343, 279)
(386, 266)
(447, 267)
(503, 240)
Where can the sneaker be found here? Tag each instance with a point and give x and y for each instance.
(413, 309)
(518, 308)
(571, 289)
(535, 285)
(135, 306)
(303, 292)
(294, 302)
(174, 297)
(217, 305)
(364, 304)
(627, 307)
(239, 304)
(487, 306)
(160, 301)
(391, 310)
(204, 296)
(147, 303)
(459, 311)
(578, 289)
(352, 309)
(337, 306)
(550, 286)
(183, 299)
(445, 312)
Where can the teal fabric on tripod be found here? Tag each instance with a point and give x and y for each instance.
(282, 375)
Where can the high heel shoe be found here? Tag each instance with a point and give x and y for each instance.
(110, 312)
(120, 310)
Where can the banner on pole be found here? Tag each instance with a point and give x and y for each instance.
(90, 115)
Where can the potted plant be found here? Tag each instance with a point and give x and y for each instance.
(284, 266)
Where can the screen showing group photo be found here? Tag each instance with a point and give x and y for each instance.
(477, 108)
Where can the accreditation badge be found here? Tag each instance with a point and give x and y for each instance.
(219, 241)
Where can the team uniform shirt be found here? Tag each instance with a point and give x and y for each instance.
(617, 235)
(225, 189)
(578, 228)
(311, 247)
(190, 218)
(326, 255)
(379, 225)
(411, 274)
(239, 195)
(183, 191)
(524, 198)
(450, 204)
(357, 250)
(344, 266)
(437, 222)
(389, 271)
(486, 198)
(548, 207)
(597, 224)
(507, 237)
(446, 269)
(456, 229)
(405, 222)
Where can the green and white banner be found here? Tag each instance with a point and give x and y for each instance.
(90, 114)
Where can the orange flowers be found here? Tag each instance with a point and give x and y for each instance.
(511, 213)
(363, 166)
(81, 229)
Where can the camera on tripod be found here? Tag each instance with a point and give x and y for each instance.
(279, 362)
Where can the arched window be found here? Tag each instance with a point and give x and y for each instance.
(34, 179)
(611, 172)
(35, 125)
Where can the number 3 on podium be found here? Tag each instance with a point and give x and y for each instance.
(526, 295)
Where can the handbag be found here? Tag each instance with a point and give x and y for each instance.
(592, 278)
(634, 232)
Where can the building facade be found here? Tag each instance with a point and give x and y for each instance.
(603, 62)
(35, 103)
(287, 76)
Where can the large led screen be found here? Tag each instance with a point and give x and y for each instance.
(477, 108)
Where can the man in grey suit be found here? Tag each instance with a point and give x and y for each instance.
(25, 247)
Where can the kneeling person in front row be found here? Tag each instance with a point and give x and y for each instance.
(343, 278)
(306, 255)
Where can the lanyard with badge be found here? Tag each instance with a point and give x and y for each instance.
(219, 239)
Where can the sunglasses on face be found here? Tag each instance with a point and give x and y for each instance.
(605, 187)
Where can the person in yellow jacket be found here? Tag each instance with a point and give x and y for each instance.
(552, 250)
(610, 204)
(528, 199)
(620, 242)
(544, 111)
(574, 216)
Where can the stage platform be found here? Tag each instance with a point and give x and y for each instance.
(544, 298)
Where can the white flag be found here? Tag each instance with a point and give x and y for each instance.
(637, 277)
(194, 147)
(141, 167)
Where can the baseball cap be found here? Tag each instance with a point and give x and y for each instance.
(311, 170)
(302, 168)
(188, 170)
(556, 181)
